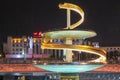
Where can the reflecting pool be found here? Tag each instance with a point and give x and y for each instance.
(70, 68)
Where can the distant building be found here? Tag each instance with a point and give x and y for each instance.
(20, 45)
(113, 54)
(111, 48)
(19, 48)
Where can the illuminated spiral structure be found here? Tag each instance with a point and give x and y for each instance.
(68, 34)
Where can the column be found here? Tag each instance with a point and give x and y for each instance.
(68, 52)
(59, 53)
(34, 49)
(55, 52)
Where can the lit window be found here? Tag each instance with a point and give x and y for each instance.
(25, 39)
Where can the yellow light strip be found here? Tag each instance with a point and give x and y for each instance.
(16, 40)
(76, 9)
(89, 49)
(83, 48)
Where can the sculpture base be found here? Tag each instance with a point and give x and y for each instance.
(30, 50)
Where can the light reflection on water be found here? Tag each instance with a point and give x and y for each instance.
(69, 68)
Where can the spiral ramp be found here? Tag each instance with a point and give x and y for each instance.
(71, 34)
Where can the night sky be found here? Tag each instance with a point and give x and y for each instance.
(23, 17)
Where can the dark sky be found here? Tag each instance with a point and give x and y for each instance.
(23, 17)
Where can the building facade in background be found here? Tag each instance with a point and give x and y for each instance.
(113, 54)
(23, 49)
(111, 48)
(27, 48)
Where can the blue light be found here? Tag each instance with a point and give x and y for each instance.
(70, 68)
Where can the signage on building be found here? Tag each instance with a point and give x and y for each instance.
(37, 34)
